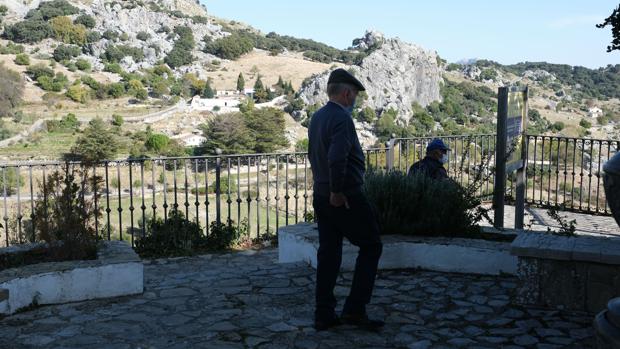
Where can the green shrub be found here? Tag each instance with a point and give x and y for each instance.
(90, 82)
(117, 120)
(67, 32)
(585, 123)
(83, 64)
(66, 52)
(68, 123)
(117, 53)
(557, 126)
(116, 90)
(22, 59)
(38, 70)
(29, 31)
(224, 236)
(143, 36)
(78, 93)
(418, 205)
(92, 36)
(157, 142)
(225, 186)
(85, 20)
(177, 236)
(111, 35)
(11, 49)
(51, 9)
(113, 68)
(56, 84)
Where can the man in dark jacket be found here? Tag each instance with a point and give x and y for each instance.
(342, 210)
(432, 164)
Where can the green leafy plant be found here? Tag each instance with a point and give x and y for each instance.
(64, 215)
(418, 205)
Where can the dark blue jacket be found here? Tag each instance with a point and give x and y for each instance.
(336, 156)
(430, 167)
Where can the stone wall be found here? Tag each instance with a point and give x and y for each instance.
(117, 271)
(577, 273)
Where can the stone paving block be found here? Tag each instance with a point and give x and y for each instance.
(422, 316)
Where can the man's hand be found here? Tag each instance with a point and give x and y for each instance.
(338, 200)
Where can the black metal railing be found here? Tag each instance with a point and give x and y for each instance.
(267, 191)
(261, 191)
(471, 158)
(565, 173)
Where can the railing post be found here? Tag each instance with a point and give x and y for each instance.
(218, 168)
(389, 153)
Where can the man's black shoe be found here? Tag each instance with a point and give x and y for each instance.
(362, 321)
(322, 325)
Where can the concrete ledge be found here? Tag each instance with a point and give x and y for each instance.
(596, 249)
(117, 271)
(473, 256)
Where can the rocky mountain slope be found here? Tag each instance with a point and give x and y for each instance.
(397, 75)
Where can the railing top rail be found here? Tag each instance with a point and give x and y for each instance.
(573, 138)
(451, 136)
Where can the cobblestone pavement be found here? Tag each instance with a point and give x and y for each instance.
(585, 224)
(246, 299)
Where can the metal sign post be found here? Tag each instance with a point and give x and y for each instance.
(510, 152)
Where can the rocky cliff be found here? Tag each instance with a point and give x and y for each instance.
(396, 75)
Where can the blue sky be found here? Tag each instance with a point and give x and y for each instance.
(504, 31)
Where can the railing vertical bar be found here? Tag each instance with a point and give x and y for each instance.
(267, 199)
(306, 185)
(19, 205)
(96, 198)
(249, 196)
(581, 175)
(590, 177)
(107, 197)
(165, 184)
(175, 205)
(120, 201)
(598, 176)
(296, 196)
(6, 214)
(239, 200)
(197, 192)
(573, 173)
(186, 189)
(32, 202)
(564, 200)
(153, 189)
(207, 223)
(143, 206)
(277, 198)
(258, 160)
(542, 169)
(286, 196)
(228, 199)
(131, 207)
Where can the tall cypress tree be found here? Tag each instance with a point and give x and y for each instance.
(240, 82)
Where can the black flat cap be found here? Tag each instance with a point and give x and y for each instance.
(342, 76)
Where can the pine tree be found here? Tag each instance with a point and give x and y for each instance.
(208, 91)
(260, 93)
(240, 82)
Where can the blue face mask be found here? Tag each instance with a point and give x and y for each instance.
(351, 107)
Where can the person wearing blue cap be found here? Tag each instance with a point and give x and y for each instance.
(432, 164)
(342, 210)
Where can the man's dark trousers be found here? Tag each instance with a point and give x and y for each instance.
(358, 224)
